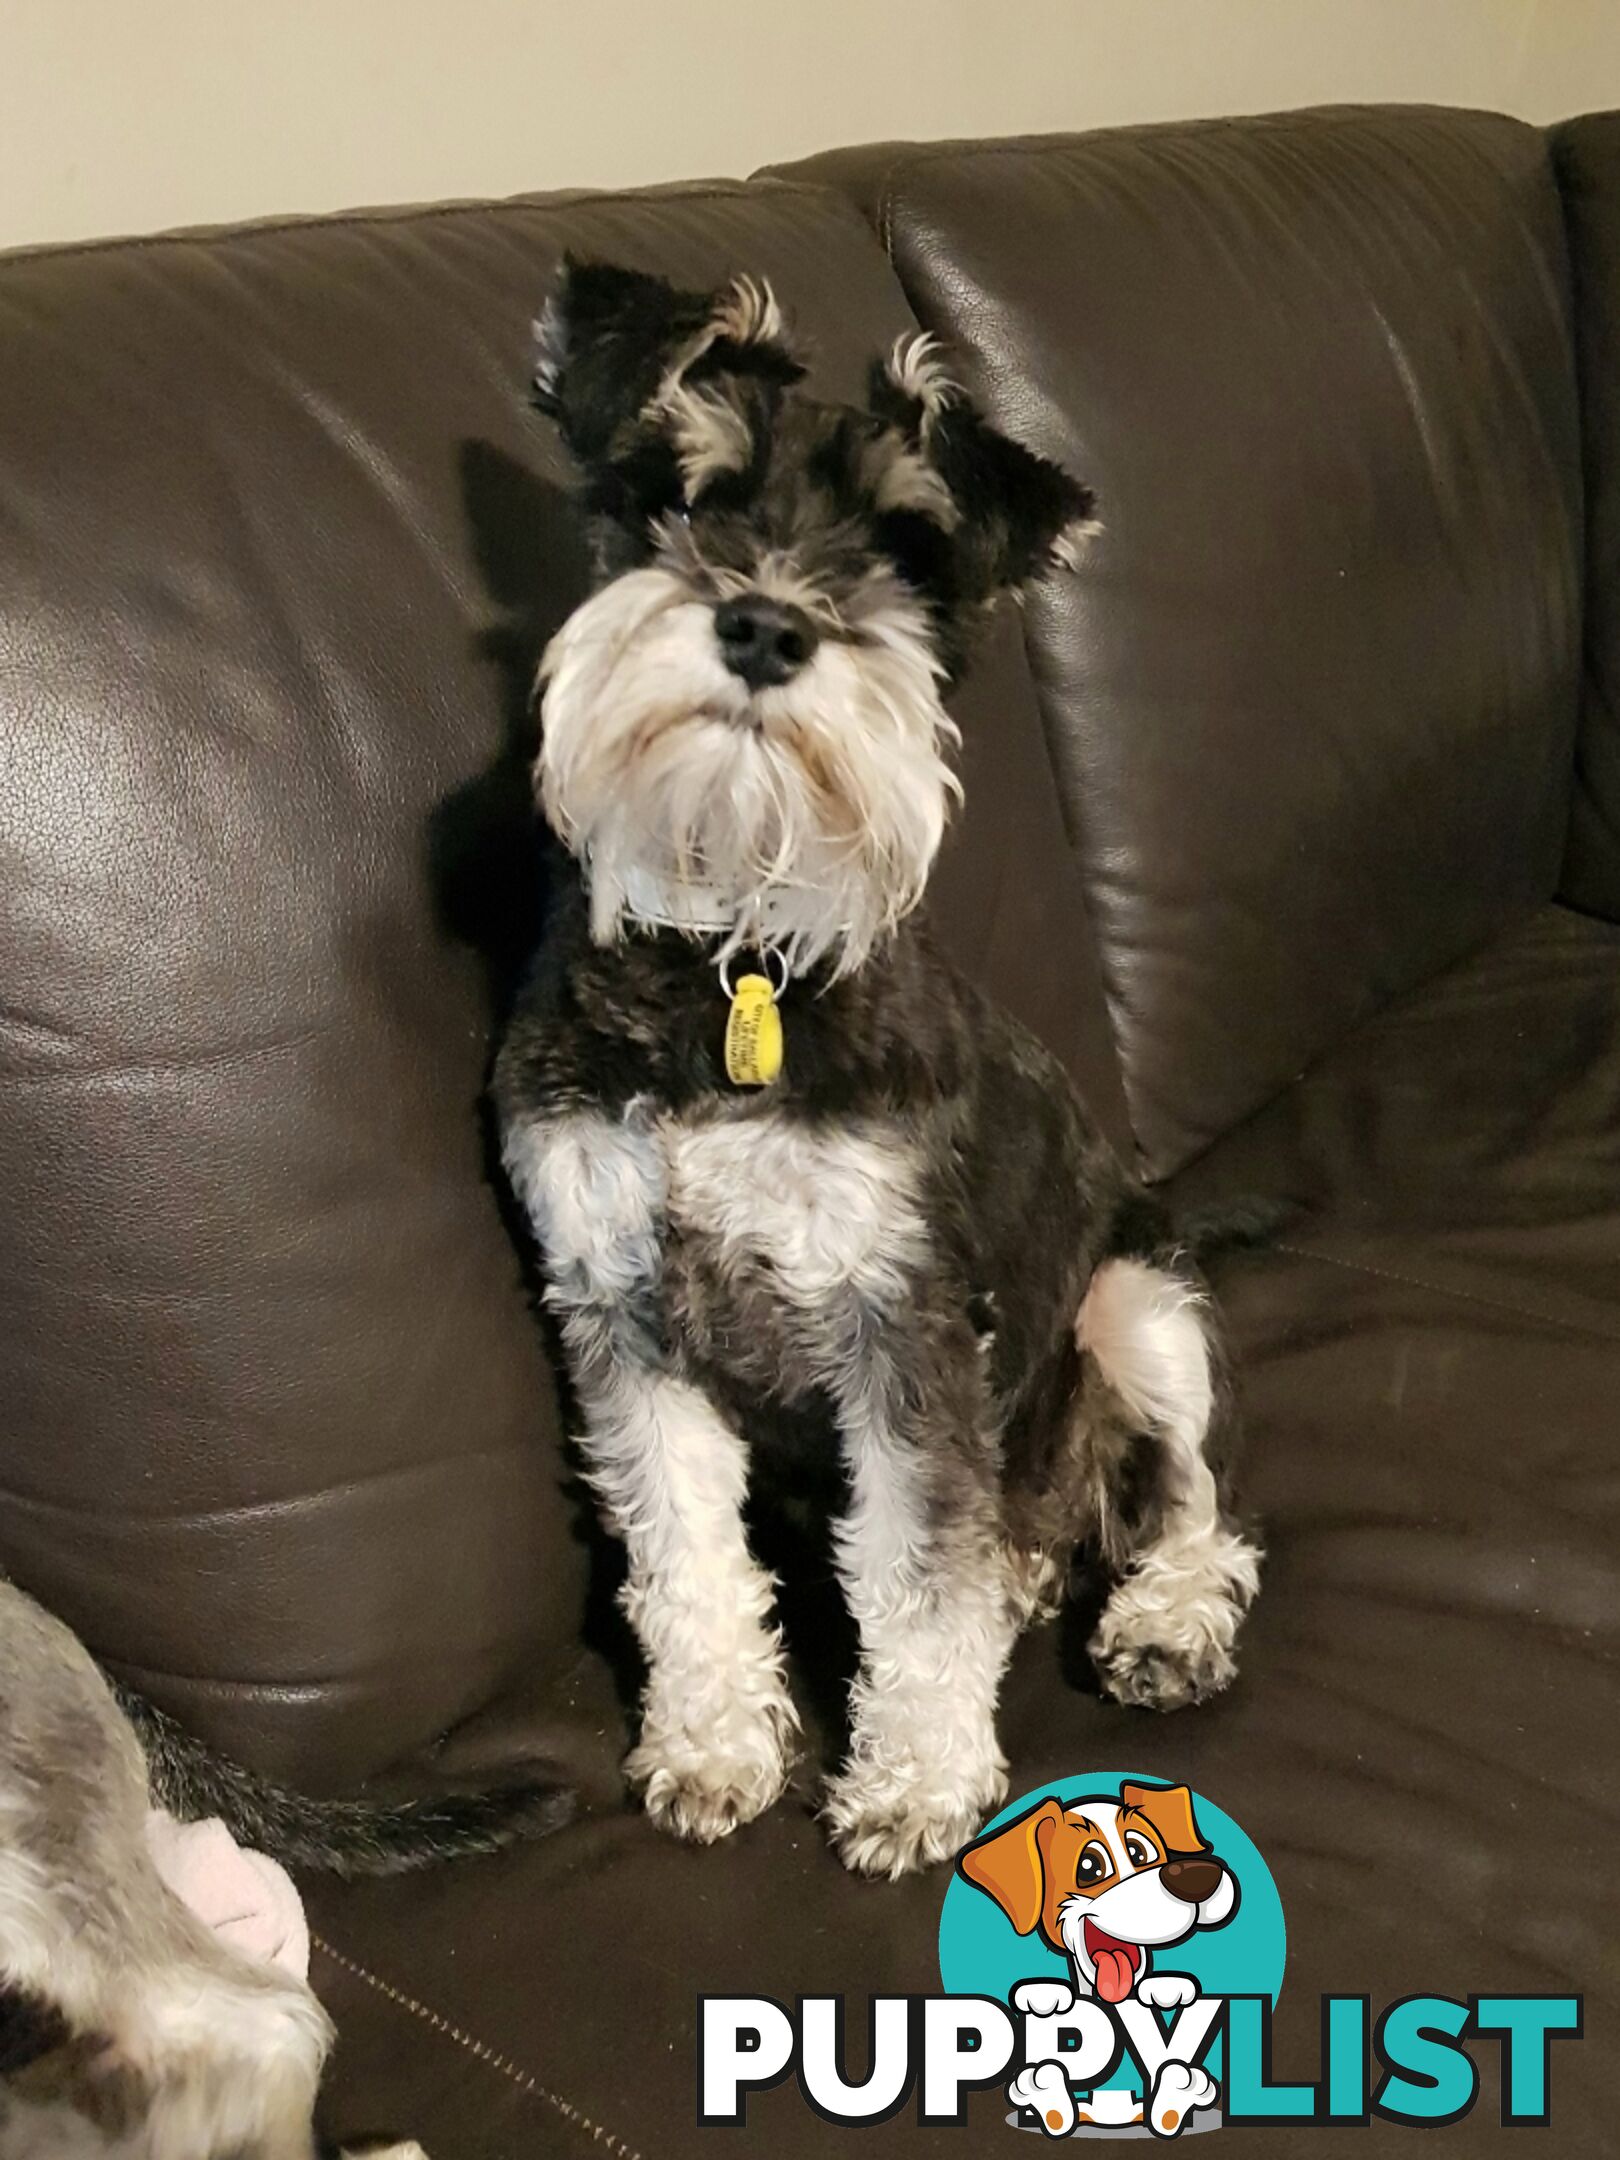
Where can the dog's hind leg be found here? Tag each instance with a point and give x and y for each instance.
(1188, 1573)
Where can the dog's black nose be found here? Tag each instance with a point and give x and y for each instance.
(764, 641)
(1192, 1880)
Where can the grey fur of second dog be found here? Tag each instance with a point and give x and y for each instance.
(154, 2040)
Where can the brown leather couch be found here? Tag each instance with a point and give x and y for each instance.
(1293, 824)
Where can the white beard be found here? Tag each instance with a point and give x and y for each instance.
(813, 809)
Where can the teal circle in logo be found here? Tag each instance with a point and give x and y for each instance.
(982, 1953)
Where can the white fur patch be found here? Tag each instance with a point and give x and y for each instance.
(817, 805)
(594, 1189)
(917, 369)
(716, 1717)
(750, 313)
(900, 478)
(1146, 1331)
(711, 436)
(1185, 1593)
(747, 312)
(835, 1213)
(925, 1766)
(1070, 546)
(550, 333)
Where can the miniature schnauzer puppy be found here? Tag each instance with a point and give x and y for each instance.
(910, 1242)
(128, 2030)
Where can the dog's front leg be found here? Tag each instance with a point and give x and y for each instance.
(716, 1717)
(923, 1564)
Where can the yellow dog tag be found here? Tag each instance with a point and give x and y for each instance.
(753, 1033)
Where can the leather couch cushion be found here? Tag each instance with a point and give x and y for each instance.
(279, 546)
(1422, 1737)
(1311, 696)
(1473, 1126)
(1586, 157)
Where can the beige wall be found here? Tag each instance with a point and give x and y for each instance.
(128, 115)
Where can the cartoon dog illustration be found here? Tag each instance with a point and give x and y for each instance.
(1108, 1882)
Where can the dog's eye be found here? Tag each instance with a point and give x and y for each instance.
(1139, 1852)
(1093, 1865)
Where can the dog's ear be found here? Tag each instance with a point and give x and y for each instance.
(601, 343)
(1010, 1864)
(612, 346)
(1017, 514)
(1169, 1809)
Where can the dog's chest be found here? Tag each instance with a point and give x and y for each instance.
(710, 1212)
(813, 1213)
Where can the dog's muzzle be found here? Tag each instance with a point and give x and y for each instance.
(763, 641)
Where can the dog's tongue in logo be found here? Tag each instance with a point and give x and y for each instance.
(1115, 1961)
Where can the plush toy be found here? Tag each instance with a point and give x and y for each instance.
(246, 1898)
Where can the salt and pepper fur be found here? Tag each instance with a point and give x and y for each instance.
(150, 2038)
(915, 1245)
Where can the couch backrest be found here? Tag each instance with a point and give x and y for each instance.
(1311, 698)
(279, 546)
(1586, 157)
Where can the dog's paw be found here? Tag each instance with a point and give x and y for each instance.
(1043, 1998)
(1151, 1678)
(701, 1790)
(898, 1842)
(1167, 1991)
(1044, 2089)
(1152, 1659)
(884, 1825)
(1178, 2090)
(1167, 1635)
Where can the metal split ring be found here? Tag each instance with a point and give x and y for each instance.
(774, 959)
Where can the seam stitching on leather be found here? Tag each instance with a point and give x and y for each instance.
(916, 155)
(886, 191)
(385, 216)
(978, 148)
(511, 2071)
(1467, 1297)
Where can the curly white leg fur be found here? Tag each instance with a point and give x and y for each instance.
(937, 1621)
(1167, 1633)
(717, 1721)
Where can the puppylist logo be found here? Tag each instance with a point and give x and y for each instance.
(1111, 1950)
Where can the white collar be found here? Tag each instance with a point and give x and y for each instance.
(678, 904)
(699, 910)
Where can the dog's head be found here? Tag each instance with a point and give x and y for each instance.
(1106, 1880)
(750, 701)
